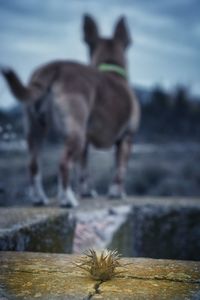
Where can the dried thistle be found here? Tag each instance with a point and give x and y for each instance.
(100, 265)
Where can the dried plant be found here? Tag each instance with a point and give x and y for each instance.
(100, 265)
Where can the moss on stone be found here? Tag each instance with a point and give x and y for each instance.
(36, 229)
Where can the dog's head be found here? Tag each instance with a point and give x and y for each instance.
(104, 50)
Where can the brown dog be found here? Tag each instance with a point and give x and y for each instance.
(87, 104)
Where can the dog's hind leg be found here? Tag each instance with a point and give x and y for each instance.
(123, 150)
(36, 191)
(74, 146)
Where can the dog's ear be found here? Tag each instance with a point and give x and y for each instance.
(121, 32)
(90, 31)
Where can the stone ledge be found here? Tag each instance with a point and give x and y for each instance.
(54, 276)
(36, 229)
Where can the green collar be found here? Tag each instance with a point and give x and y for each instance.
(113, 68)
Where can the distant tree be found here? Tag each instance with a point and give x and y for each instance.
(171, 115)
(160, 98)
(181, 101)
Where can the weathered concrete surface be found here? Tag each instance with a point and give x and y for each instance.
(36, 229)
(145, 227)
(54, 276)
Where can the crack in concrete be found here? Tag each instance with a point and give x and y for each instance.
(161, 278)
(157, 277)
(95, 292)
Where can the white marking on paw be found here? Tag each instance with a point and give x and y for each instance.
(116, 191)
(67, 197)
(37, 193)
(86, 191)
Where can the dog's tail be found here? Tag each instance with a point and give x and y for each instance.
(17, 88)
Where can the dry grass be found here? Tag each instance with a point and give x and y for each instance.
(100, 265)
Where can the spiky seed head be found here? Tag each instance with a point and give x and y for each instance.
(101, 265)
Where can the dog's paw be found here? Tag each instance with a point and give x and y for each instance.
(116, 191)
(89, 194)
(38, 197)
(67, 198)
(86, 192)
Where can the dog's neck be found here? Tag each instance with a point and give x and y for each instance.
(114, 69)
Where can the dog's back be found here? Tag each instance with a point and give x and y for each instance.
(101, 101)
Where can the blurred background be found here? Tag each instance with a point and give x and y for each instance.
(163, 69)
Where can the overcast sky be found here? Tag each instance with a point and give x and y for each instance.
(166, 36)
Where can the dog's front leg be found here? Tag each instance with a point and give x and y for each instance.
(123, 149)
(36, 191)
